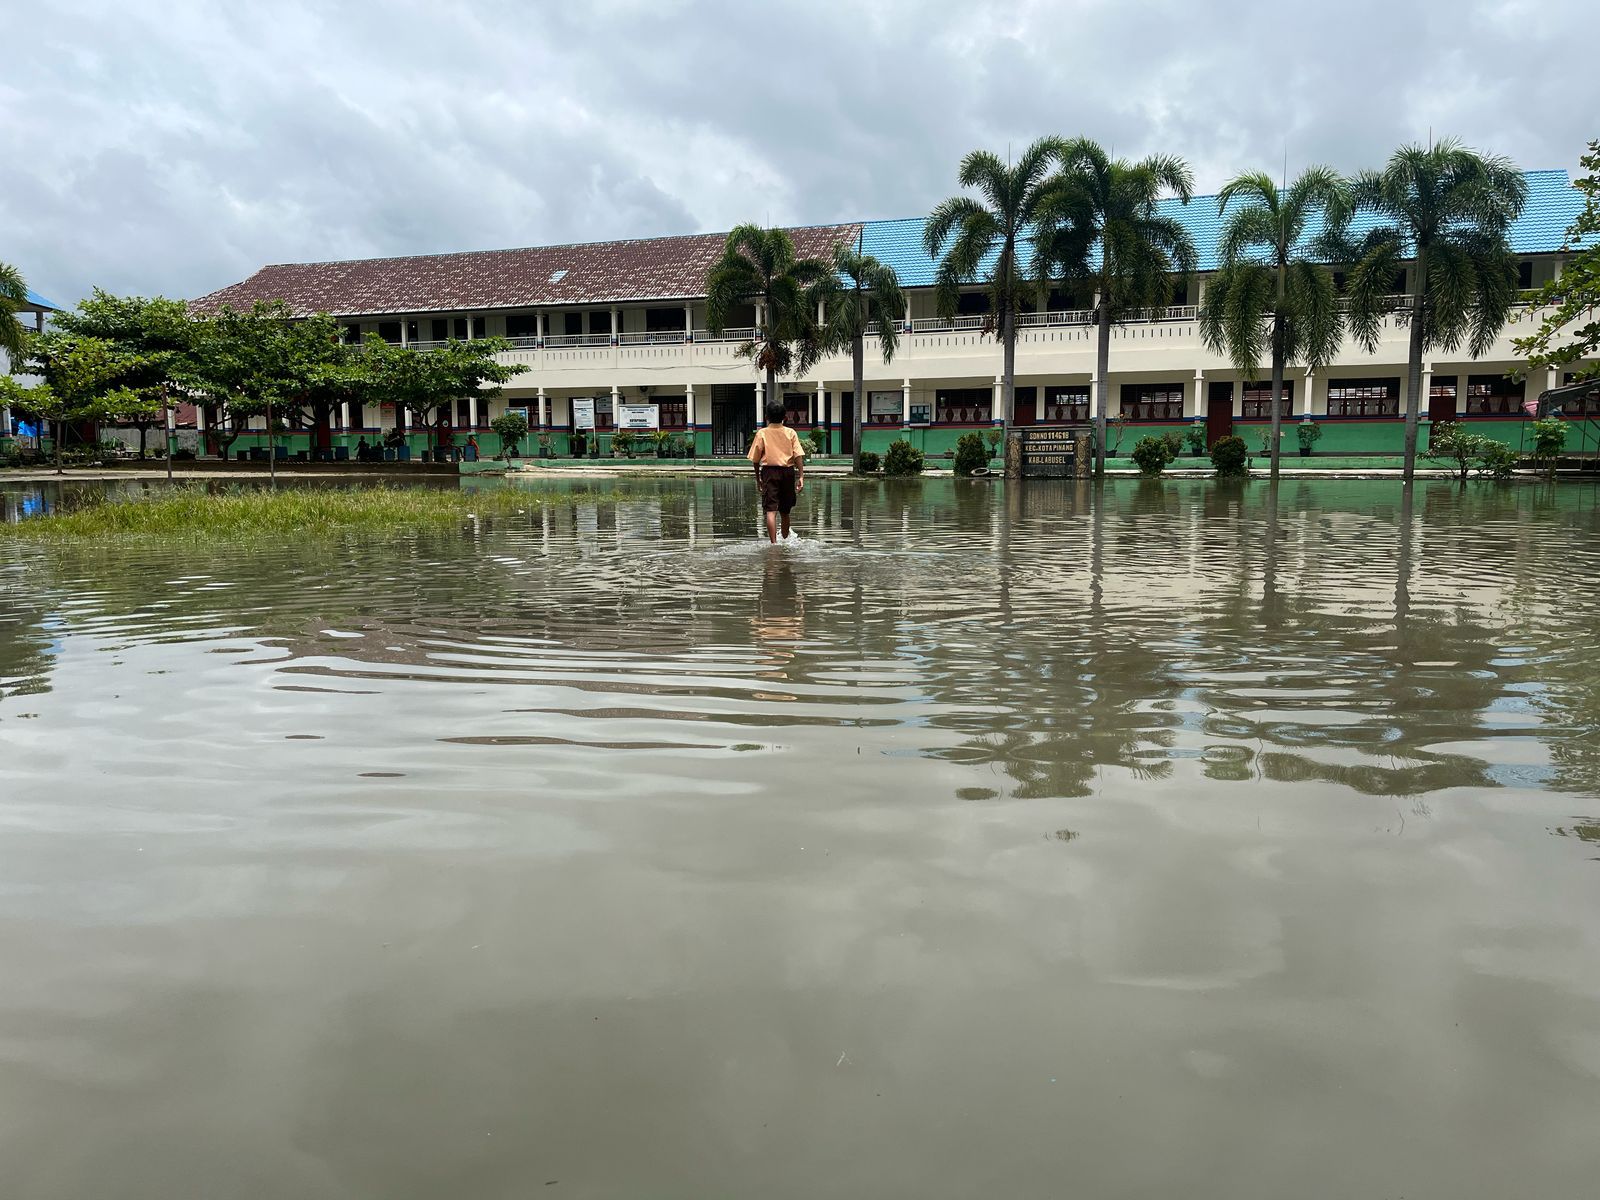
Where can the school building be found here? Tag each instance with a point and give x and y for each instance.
(624, 322)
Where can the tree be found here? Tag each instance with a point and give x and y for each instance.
(511, 427)
(245, 366)
(759, 266)
(1116, 240)
(159, 341)
(83, 379)
(1570, 331)
(864, 296)
(987, 241)
(429, 382)
(1270, 294)
(1448, 209)
(1449, 441)
(13, 295)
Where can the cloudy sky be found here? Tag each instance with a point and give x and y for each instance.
(174, 147)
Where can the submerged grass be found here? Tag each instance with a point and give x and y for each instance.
(199, 512)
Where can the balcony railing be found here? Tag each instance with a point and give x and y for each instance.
(947, 324)
(562, 340)
(654, 337)
(727, 335)
(1075, 316)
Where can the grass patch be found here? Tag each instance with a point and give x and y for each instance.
(194, 511)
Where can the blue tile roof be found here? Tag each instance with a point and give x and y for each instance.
(37, 301)
(1553, 205)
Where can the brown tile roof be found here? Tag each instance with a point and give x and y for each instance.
(670, 268)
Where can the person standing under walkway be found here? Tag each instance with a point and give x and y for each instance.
(780, 464)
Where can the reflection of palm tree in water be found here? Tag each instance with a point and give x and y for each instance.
(779, 622)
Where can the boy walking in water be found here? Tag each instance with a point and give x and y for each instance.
(780, 464)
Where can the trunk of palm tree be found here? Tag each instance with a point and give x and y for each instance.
(857, 373)
(1102, 365)
(1277, 369)
(1414, 371)
(272, 448)
(1008, 391)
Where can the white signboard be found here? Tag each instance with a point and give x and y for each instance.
(583, 412)
(884, 404)
(638, 416)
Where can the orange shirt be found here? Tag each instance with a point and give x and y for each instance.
(776, 446)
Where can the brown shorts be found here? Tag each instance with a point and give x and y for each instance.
(777, 489)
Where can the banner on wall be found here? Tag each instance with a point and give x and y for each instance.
(638, 416)
(522, 412)
(583, 412)
(882, 406)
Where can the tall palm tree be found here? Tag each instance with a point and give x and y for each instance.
(864, 297)
(987, 240)
(1448, 208)
(13, 295)
(1272, 293)
(759, 266)
(1118, 242)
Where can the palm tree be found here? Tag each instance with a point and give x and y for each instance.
(1448, 208)
(1269, 294)
(1118, 242)
(13, 295)
(986, 241)
(865, 297)
(759, 266)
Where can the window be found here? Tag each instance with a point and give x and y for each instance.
(663, 320)
(883, 408)
(1495, 396)
(1258, 400)
(411, 332)
(522, 325)
(389, 331)
(1152, 401)
(352, 335)
(479, 325)
(797, 410)
(441, 329)
(1363, 397)
(572, 324)
(599, 321)
(463, 413)
(1069, 300)
(1180, 293)
(972, 304)
(358, 419)
(1063, 404)
(1525, 274)
(963, 406)
(674, 412)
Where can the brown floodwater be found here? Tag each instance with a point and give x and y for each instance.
(1158, 841)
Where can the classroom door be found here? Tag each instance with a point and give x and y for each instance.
(1219, 413)
(733, 419)
(847, 422)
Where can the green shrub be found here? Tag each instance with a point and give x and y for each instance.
(903, 459)
(1496, 459)
(512, 428)
(1229, 456)
(992, 438)
(870, 462)
(816, 440)
(1449, 441)
(622, 441)
(1195, 438)
(1152, 454)
(970, 453)
(1549, 437)
(1308, 432)
(1173, 441)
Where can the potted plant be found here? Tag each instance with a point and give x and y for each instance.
(992, 438)
(546, 445)
(622, 443)
(663, 442)
(1195, 438)
(580, 444)
(511, 428)
(1308, 432)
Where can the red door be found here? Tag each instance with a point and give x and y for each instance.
(1219, 413)
(1442, 400)
(1027, 405)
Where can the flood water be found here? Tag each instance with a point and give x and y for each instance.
(1159, 841)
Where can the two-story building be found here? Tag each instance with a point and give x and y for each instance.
(625, 322)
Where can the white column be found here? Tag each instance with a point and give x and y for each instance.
(544, 408)
(819, 403)
(1195, 406)
(688, 322)
(908, 312)
(472, 412)
(688, 406)
(5, 420)
(199, 420)
(404, 416)
(404, 340)
(1308, 389)
(1094, 397)
(616, 329)
(905, 402)
(344, 417)
(997, 412)
(761, 404)
(1427, 391)
(470, 319)
(539, 327)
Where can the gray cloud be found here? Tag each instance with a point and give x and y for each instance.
(174, 148)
